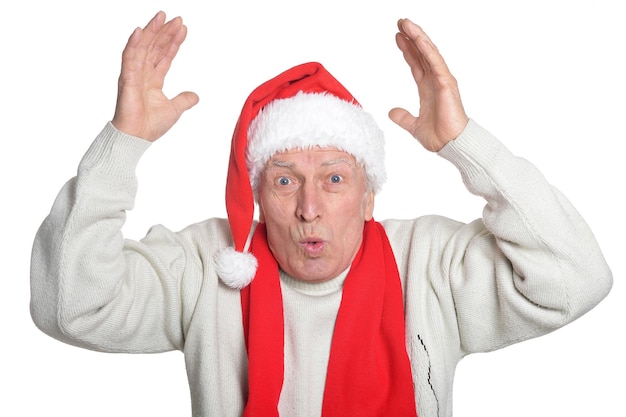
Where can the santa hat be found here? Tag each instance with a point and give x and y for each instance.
(301, 108)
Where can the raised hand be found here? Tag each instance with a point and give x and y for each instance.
(441, 114)
(142, 109)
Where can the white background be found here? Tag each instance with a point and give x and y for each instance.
(546, 77)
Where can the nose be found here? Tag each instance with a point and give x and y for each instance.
(309, 206)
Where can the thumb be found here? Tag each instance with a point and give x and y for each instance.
(185, 100)
(403, 118)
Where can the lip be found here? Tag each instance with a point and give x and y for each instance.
(313, 246)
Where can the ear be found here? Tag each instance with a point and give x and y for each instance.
(369, 205)
(261, 213)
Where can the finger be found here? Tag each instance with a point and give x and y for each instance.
(411, 55)
(428, 50)
(132, 57)
(170, 51)
(133, 42)
(155, 23)
(135, 52)
(410, 40)
(412, 30)
(159, 43)
(150, 32)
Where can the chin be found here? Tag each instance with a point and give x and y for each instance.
(317, 274)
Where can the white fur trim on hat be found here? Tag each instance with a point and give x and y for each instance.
(308, 120)
(235, 269)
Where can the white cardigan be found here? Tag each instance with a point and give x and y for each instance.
(529, 266)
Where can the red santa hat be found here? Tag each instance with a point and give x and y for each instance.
(301, 108)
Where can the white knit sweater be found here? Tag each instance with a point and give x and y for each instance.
(529, 266)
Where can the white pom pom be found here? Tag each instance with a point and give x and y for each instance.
(235, 269)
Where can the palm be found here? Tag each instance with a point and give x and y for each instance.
(435, 124)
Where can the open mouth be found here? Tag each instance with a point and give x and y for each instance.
(312, 246)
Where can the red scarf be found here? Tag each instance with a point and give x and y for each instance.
(369, 372)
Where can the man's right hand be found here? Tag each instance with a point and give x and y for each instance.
(142, 109)
(441, 115)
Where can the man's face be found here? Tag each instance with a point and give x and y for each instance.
(314, 204)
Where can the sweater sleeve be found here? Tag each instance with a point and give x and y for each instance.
(92, 288)
(531, 264)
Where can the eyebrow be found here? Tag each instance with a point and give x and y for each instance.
(285, 164)
(282, 164)
(338, 161)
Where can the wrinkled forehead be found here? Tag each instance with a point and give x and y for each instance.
(320, 153)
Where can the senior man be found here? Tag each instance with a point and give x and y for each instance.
(316, 309)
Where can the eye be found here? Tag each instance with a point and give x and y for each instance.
(283, 181)
(335, 179)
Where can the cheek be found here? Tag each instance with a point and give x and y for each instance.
(273, 209)
(350, 216)
(362, 206)
(276, 223)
